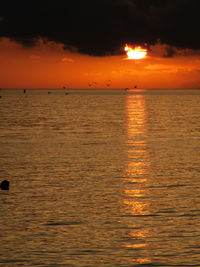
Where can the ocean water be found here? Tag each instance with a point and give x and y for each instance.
(100, 178)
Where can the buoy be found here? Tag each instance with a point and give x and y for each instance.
(4, 185)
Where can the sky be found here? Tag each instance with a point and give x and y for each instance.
(80, 44)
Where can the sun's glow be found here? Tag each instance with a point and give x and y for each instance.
(135, 53)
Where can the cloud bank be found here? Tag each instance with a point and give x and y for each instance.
(102, 27)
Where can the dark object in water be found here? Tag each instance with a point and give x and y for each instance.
(4, 185)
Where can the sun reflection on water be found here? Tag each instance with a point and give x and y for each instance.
(135, 202)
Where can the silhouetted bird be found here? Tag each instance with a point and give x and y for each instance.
(4, 185)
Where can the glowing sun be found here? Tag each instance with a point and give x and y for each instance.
(135, 53)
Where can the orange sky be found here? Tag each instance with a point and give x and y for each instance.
(49, 66)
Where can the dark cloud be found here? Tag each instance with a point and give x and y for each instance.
(169, 51)
(101, 27)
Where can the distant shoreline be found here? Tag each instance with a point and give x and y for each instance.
(91, 89)
(66, 92)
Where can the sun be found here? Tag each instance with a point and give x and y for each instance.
(135, 53)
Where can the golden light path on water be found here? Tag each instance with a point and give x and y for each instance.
(135, 179)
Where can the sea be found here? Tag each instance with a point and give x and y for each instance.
(100, 177)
